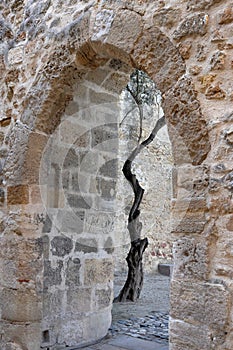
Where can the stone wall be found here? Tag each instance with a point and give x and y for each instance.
(47, 49)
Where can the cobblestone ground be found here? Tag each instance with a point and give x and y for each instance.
(148, 317)
(140, 325)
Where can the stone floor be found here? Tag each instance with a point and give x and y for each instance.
(141, 325)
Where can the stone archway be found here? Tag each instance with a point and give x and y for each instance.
(89, 43)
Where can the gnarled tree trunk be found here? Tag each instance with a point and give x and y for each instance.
(133, 285)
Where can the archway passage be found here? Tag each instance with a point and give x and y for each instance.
(69, 56)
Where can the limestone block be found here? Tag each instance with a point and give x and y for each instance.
(189, 204)
(103, 138)
(107, 30)
(83, 140)
(195, 24)
(79, 201)
(118, 65)
(166, 17)
(17, 194)
(70, 221)
(35, 194)
(106, 188)
(24, 257)
(99, 222)
(87, 56)
(52, 275)
(90, 162)
(52, 306)
(80, 182)
(43, 246)
(165, 65)
(98, 324)
(116, 82)
(61, 246)
(71, 160)
(73, 273)
(21, 305)
(78, 300)
(71, 332)
(103, 297)
(202, 303)
(192, 132)
(186, 336)
(188, 223)
(102, 23)
(191, 257)
(86, 245)
(98, 271)
(109, 169)
(21, 336)
(48, 223)
(36, 145)
(99, 98)
(71, 132)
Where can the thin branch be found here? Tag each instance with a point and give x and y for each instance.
(131, 110)
(140, 108)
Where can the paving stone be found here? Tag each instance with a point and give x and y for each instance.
(130, 343)
(153, 327)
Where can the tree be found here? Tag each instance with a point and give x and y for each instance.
(143, 91)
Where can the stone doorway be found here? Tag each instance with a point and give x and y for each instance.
(197, 108)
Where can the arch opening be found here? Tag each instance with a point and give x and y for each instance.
(58, 199)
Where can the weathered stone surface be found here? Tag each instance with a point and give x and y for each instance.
(17, 194)
(101, 135)
(191, 257)
(72, 273)
(103, 297)
(184, 49)
(22, 305)
(21, 336)
(215, 92)
(97, 271)
(109, 169)
(79, 201)
(36, 145)
(226, 16)
(71, 160)
(47, 224)
(192, 133)
(71, 221)
(79, 300)
(195, 24)
(86, 245)
(107, 188)
(165, 65)
(206, 302)
(186, 336)
(109, 245)
(49, 53)
(166, 17)
(61, 246)
(218, 60)
(201, 4)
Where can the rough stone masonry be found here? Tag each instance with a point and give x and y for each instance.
(63, 65)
